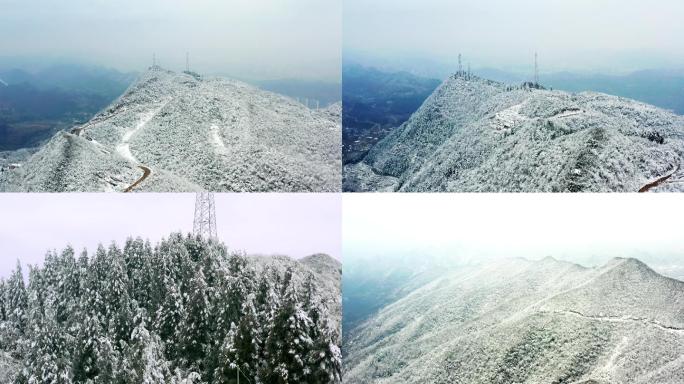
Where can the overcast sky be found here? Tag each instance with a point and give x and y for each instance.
(296, 225)
(247, 38)
(600, 35)
(588, 229)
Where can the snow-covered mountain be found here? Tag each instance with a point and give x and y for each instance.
(520, 321)
(473, 134)
(179, 132)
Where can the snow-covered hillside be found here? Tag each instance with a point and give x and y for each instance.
(520, 321)
(179, 132)
(473, 134)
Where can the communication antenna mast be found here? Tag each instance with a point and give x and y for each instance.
(536, 70)
(204, 224)
(154, 59)
(187, 61)
(469, 70)
(460, 67)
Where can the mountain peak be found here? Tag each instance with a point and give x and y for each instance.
(628, 264)
(321, 259)
(478, 135)
(188, 133)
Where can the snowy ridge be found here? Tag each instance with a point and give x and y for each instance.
(473, 134)
(167, 121)
(527, 322)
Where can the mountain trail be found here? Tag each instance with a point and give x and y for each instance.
(124, 147)
(615, 319)
(659, 180)
(146, 173)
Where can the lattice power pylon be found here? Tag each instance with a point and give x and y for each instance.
(205, 216)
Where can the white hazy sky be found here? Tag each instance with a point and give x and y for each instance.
(584, 228)
(569, 34)
(296, 225)
(247, 38)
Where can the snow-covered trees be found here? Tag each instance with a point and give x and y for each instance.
(185, 311)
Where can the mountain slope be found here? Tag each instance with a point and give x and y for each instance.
(328, 277)
(527, 322)
(473, 134)
(192, 133)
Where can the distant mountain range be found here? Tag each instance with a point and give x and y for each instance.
(662, 88)
(474, 134)
(35, 104)
(181, 132)
(521, 321)
(316, 93)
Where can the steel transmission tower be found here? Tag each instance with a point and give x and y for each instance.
(204, 224)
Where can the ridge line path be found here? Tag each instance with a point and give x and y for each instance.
(659, 180)
(124, 148)
(613, 319)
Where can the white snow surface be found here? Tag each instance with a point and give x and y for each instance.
(123, 148)
(476, 135)
(218, 141)
(520, 321)
(167, 121)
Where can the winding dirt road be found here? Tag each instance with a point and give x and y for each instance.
(146, 173)
(659, 180)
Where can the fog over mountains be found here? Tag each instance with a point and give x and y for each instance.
(180, 132)
(515, 320)
(473, 134)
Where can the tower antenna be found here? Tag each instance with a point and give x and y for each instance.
(154, 59)
(204, 224)
(187, 61)
(460, 67)
(536, 70)
(469, 70)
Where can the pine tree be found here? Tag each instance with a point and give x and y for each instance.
(16, 302)
(86, 366)
(169, 318)
(239, 354)
(194, 336)
(288, 343)
(145, 355)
